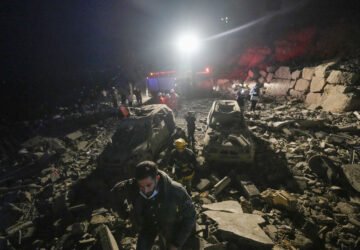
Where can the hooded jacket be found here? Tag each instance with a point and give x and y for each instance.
(175, 212)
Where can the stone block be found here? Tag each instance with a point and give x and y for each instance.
(308, 73)
(302, 85)
(297, 94)
(321, 70)
(227, 206)
(317, 84)
(278, 87)
(335, 100)
(313, 99)
(269, 77)
(295, 75)
(283, 73)
(342, 77)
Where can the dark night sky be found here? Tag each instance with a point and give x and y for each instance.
(50, 47)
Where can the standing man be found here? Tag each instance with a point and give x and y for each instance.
(182, 163)
(254, 96)
(158, 206)
(130, 99)
(190, 120)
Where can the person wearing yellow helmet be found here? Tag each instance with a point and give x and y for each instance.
(182, 163)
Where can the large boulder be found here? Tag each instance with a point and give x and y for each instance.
(283, 73)
(278, 87)
(295, 75)
(317, 84)
(308, 73)
(352, 174)
(302, 85)
(342, 77)
(336, 100)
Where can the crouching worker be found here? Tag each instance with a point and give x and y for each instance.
(182, 163)
(157, 206)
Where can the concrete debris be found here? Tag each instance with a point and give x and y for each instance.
(74, 135)
(280, 198)
(221, 185)
(226, 206)
(203, 185)
(242, 227)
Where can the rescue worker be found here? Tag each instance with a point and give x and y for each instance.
(254, 96)
(190, 120)
(178, 133)
(137, 93)
(241, 97)
(182, 163)
(157, 206)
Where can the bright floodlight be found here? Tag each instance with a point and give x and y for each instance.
(188, 43)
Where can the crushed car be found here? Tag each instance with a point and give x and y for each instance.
(141, 136)
(227, 139)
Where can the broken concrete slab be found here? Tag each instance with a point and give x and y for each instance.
(278, 87)
(322, 70)
(313, 99)
(248, 187)
(297, 94)
(352, 174)
(336, 100)
(295, 75)
(226, 206)
(242, 227)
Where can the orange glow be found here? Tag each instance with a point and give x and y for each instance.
(207, 70)
(151, 74)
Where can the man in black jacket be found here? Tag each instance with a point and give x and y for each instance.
(157, 204)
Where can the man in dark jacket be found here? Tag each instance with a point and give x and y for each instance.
(190, 120)
(158, 206)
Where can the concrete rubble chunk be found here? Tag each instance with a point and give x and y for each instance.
(107, 239)
(302, 85)
(269, 77)
(283, 73)
(203, 185)
(225, 206)
(341, 77)
(221, 185)
(74, 135)
(357, 115)
(19, 226)
(352, 174)
(317, 84)
(242, 227)
(308, 73)
(280, 198)
(247, 186)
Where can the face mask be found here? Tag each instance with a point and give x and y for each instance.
(156, 191)
(151, 196)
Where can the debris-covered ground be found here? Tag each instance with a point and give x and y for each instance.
(301, 192)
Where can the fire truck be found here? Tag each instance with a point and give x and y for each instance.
(182, 83)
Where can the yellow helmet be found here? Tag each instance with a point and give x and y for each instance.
(180, 143)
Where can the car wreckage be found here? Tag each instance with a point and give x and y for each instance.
(141, 136)
(227, 139)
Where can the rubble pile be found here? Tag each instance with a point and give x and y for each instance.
(302, 192)
(36, 207)
(334, 86)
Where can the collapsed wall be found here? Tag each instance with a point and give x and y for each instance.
(332, 86)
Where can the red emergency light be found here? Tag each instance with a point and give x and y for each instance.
(162, 73)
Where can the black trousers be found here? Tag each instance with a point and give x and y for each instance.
(253, 105)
